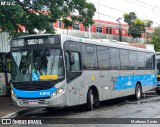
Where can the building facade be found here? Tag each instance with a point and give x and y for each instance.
(99, 30)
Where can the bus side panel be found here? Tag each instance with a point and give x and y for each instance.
(127, 83)
(114, 84)
(140, 76)
(150, 80)
(92, 78)
(74, 90)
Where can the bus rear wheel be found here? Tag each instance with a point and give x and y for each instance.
(138, 92)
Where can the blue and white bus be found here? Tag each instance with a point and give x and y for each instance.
(60, 70)
(4, 74)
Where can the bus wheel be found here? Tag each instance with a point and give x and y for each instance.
(90, 100)
(138, 92)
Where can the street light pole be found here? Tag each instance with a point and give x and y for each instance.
(120, 30)
(98, 19)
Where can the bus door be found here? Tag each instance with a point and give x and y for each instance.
(73, 71)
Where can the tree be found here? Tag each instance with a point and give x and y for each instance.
(136, 26)
(41, 14)
(155, 39)
(149, 23)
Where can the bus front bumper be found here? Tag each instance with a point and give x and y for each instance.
(58, 101)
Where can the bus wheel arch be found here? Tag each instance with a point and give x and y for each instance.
(92, 98)
(138, 91)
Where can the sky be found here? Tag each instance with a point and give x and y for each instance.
(110, 10)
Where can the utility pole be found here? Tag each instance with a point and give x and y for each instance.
(98, 19)
(120, 30)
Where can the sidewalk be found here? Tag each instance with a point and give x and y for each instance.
(6, 106)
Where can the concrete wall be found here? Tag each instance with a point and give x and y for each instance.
(4, 42)
(83, 34)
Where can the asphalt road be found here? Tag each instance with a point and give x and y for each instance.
(148, 107)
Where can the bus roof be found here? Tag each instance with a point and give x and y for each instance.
(38, 35)
(105, 42)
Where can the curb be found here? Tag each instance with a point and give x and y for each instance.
(18, 113)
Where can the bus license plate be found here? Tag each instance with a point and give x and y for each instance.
(33, 102)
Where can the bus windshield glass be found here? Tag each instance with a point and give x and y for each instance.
(158, 64)
(37, 65)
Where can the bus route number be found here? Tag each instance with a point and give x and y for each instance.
(35, 41)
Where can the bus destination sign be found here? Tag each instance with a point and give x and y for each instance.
(34, 41)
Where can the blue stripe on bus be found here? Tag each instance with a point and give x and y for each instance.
(34, 94)
(127, 82)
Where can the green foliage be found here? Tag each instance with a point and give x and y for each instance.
(155, 39)
(136, 26)
(41, 14)
(149, 23)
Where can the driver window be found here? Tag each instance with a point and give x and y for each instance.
(72, 61)
(75, 61)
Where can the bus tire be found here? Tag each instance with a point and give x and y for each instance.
(138, 92)
(90, 100)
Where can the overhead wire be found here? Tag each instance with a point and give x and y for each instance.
(115, 10)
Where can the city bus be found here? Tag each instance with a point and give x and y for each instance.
(4, 74)
(55, 71)
(158, 72)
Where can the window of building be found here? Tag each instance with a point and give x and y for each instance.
(124, 57)
(114, 58)
(103, 57)
(59, 24)
(108, 30)
(99, 29)
(75, 26)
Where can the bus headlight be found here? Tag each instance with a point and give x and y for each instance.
(54, 94)
(13, 94)
(57, 92)
(60, 90)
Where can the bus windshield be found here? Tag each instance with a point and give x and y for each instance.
(37, 65)
(158, 66)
